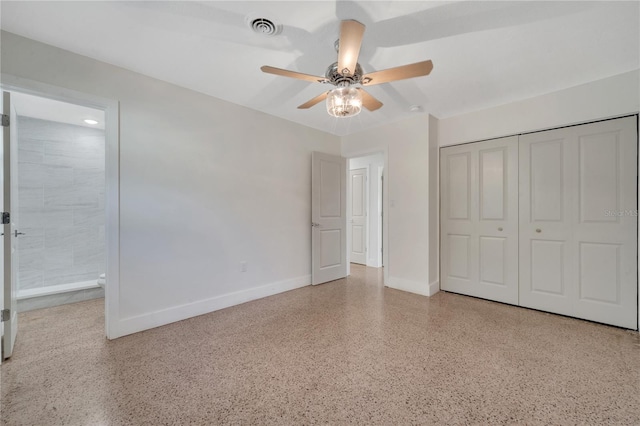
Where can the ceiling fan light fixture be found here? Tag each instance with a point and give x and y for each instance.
(345, 73)
(344, 102)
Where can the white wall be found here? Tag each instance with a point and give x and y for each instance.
(406, 144)
(374, 225)
(204, 185)
(610, 97)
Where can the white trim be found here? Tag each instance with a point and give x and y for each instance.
(416, 287)
(380, 216)
(111, 109)
(166, 316)
(434, 287)
(56, 289)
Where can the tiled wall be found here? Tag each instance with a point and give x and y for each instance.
(60, 203)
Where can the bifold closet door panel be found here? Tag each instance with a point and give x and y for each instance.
(547, 266)
(578, 221)
(479, 225)
(607, 223)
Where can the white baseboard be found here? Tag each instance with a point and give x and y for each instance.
(56, 289)
(373, 263)
(166, 316)
(434, 287)
(416, 287)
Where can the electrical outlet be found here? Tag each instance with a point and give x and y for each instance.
(243, 266)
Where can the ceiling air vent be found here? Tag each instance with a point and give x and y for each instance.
(265, 26)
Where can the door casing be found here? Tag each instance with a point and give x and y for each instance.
(112, 180)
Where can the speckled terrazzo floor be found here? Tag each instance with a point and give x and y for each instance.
(347, 352)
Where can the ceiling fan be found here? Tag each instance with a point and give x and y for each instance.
(346, 100)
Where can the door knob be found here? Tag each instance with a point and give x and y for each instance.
(16, 233)
(538, 230)
(500, 228)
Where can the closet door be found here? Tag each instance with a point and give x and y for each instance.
(578, 221)
(479, 225)
(547, 177)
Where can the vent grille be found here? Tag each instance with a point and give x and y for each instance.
(265, 27)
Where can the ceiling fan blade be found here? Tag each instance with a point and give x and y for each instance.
(351, 33)
(399, 73)
(368, 101)
(321, 97)
(293, 74)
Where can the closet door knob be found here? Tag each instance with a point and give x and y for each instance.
(538, 230)
(500, 229)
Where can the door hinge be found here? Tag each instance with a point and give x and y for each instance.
(5, 120)
(6, 218)
(5, 316)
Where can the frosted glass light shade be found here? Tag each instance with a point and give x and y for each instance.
(344, 102)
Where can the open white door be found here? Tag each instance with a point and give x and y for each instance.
(10, 200)
(358, 223)
(328, 218)
(1, 210)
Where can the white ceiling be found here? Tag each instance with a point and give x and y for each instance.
(52, 110)
(484, 53)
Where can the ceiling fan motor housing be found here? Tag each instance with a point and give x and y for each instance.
(336, 78)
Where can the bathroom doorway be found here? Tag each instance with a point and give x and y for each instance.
(65, 197)
(61, 202)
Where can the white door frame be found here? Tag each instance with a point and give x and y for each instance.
(380, 216)
(112, 178)
(385, 207)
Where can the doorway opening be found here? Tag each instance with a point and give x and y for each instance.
(60, 161)
(365, 210)
(61, 202)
